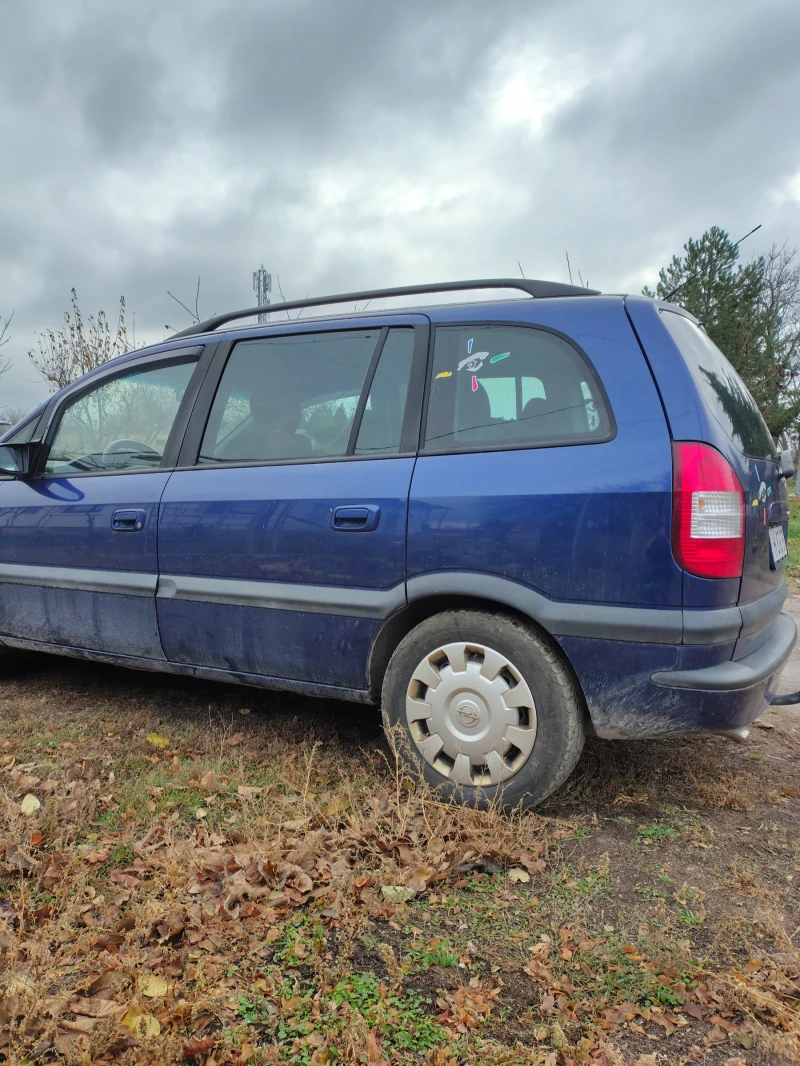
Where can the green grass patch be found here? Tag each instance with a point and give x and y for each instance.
(424, 956)
(655, 833)
(793, 562)
(402, 1019)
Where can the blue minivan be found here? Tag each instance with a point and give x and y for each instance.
(510, 522)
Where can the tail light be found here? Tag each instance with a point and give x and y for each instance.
(707, 512)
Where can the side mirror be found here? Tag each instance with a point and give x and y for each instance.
(787, 465)
(15, 459)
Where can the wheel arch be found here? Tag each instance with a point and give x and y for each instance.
(425, 599)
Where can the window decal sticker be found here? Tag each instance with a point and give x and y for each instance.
(497, 358)
(444, 374)
(474, 383)
(473, 362)
(469, 345)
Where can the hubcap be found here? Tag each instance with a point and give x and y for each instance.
(471, 714)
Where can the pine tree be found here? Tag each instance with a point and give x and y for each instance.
(750, 311)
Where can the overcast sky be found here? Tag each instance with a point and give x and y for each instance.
(358, 143)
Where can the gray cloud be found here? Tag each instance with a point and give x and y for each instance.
(358, 144)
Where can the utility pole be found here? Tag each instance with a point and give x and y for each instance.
(262, 283)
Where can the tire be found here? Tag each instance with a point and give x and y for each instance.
(509, 731)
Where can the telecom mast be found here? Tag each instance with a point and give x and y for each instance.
(262, 283)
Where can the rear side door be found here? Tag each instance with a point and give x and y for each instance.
(546, 462)
(78, 560)
(282, 538)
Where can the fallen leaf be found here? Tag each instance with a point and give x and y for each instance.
(248, 791)
(141, 1024)
(196, 1046)
(30, 804)
(208, 782)
(26, 781)
(397, 893)
(96, 1007)
(106, 984)
(15, 857)
(234, 740)
(518, 876)
(158, 740)
(155, 987)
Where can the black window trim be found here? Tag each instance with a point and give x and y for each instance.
(561, 442)
(189, 455)
(200, 354)
(363, 398)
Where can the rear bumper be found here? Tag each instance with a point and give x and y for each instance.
(744, 673)
(639, 691)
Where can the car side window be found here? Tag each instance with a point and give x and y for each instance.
(121, 424)
(511, 386)
(290, 397)
(382, 422)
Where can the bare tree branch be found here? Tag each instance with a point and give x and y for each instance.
(79, 346)
(4, 339)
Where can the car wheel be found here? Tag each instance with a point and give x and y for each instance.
(483, 708)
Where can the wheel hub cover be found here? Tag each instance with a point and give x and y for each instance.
(471, 714)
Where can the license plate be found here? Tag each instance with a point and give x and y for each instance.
(777, 543)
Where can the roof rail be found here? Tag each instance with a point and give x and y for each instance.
(537, 289)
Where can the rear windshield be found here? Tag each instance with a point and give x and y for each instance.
(722, 388)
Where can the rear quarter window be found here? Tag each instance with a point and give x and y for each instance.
(724, 392)
(512, 387)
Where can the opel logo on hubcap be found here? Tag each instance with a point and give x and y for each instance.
(468, 714)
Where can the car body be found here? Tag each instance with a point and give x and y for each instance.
(314, 491)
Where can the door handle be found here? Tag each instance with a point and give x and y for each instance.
(359, 519)
(127, 521)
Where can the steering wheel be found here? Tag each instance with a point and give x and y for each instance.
(124, 447)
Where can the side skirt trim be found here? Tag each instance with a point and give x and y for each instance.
(131, 662)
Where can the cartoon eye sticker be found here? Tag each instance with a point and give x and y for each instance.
(762, 492)
(473, 362)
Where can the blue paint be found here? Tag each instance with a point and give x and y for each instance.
(589, 523)
(625, 703)
(64, 522)
(273, 523)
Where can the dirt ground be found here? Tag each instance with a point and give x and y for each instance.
(192, 873)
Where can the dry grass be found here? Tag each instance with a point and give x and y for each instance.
(217, 876)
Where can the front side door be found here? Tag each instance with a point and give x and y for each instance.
(283, 547)
(78, 563)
